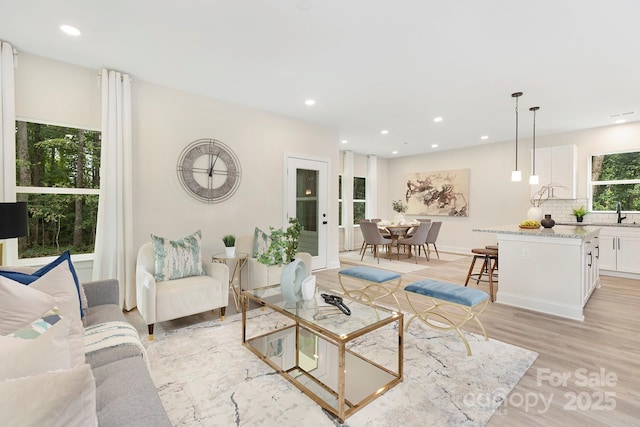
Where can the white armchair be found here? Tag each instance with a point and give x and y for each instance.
(172, 299)
(260, 275)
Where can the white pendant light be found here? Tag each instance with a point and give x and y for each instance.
(516, 175)
(533, 179)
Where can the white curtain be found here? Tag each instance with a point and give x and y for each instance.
(7, 140)
(372, 187)
(347, 200)
(114, 252)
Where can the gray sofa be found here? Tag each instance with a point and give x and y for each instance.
(125, 393)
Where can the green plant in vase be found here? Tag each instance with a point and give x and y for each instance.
(399, 206)
(580, 213)
(229, 241)
(284, 244)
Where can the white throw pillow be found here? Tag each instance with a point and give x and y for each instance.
(20, 305)
(57, 287)
(37, 348)
(60, 398)
(59, 283)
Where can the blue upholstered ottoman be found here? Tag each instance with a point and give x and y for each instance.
(371, 284)
(452, 306)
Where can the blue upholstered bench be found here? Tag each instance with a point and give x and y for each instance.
(453, 306)
(372, 283)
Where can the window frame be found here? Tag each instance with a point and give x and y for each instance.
(591, 184)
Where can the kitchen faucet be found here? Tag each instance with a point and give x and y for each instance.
(619, 212)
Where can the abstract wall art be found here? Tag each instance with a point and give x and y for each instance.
(438, 193)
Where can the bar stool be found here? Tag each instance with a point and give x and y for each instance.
(489, 265)
(495, 248)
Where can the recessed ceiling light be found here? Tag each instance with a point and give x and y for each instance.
(394, 152)
(437, 119)
(344, 141)
(310, 102)
(620, 121)
(384, 131)
(434, 145)
(68, 29)
(484, 137)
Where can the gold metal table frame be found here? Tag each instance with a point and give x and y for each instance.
(358, 380)
(239, 261)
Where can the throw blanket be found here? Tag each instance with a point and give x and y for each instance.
(112, 334)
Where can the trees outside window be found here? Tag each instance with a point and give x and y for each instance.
(615, 177)
(58, 175)
(359, 199)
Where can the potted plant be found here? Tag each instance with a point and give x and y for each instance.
(580, 213)
(229, 241)
(284, 244)
(400, 208)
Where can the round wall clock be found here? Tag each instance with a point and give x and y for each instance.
(209, 170)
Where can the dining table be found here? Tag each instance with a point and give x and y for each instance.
(397, 231)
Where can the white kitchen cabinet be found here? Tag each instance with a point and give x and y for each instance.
(558, 165)
(620, 249)
(590, 267)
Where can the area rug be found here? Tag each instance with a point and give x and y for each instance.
(205, 377)
(401, 266)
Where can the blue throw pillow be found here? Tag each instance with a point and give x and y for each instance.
(27, 279)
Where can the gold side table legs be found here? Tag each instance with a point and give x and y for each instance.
(240, 259)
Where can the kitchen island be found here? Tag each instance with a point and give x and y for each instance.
(548, 270)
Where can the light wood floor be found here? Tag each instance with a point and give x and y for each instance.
(607, 341)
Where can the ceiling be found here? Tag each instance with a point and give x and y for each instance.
(369, 64)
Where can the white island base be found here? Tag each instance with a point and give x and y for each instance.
(551, 271)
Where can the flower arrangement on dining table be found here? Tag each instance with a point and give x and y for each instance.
(399, 206)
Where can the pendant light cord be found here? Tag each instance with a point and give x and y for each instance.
(534, 109)
(516, 95)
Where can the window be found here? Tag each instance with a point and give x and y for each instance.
(58, 175)
(615, 177)
(359, 199)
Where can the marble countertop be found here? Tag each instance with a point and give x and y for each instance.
(566, 231)
(601, 224)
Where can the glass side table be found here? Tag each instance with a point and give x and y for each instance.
(235, 286)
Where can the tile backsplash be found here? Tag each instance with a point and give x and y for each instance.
(562, 211)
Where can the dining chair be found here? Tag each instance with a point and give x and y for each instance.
(413, 230)
(364, 241)
(417, 241)
(432, 236)
(373, 238)
(385, 233)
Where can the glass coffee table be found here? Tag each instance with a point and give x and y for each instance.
(324, 352)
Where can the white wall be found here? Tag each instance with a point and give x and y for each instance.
(165, 121)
